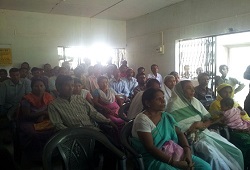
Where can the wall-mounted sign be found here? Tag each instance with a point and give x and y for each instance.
(5, 56)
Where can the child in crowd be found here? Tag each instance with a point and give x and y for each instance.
(232, 116)
(78, 90)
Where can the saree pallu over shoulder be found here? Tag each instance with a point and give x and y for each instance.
(164, 131)
(213, 148)
(187, 113)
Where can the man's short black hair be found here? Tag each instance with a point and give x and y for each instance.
(13, 70)
(61, 80)
(153, 65)
(140, 74)
(140, 68)
(222, 66)
(202, 75)
(35, 69)
(4, 71)
(150, 82)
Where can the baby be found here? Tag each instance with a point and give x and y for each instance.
(232, 117)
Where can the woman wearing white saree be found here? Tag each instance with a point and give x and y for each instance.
(193, 119)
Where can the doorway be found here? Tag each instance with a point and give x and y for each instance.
(209, 53)
(234, 51)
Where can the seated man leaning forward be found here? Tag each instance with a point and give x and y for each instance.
(73, 110)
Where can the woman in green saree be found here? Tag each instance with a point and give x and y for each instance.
(193, 119)
(152, 128)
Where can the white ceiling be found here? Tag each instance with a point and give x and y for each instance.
(103, 9)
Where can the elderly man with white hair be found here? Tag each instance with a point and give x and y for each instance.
(167, 87)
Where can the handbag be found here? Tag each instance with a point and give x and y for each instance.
(173, 150)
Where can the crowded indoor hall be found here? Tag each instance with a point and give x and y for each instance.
(125, 84)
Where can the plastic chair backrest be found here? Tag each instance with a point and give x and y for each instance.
(125, 135)
(76, 148)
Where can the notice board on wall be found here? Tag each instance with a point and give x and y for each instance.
(5, 55)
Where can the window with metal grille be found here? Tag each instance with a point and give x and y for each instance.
(197, 53)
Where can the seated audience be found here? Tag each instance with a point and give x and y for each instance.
(176, 75)
(130, 81)
(232, 116)
(3, 75)
(141, 79)
(109, 71)
(94, 73)
(81, 112)
(168, 86)
(11, 93)
(79, 73)
(119, 85)
(193, 119)
(106, 100)
(69, 110)
(35, 127)
(52, 80)
(37, 73)
(136, 103)
(79, 90)
(241, 140)
(123, 68)
(66, 64)
(155, 74)
(24, 73)
(202, 92)
(153, 128)
(27, 66)
(224, 91)
(141, 70)
(47, 70)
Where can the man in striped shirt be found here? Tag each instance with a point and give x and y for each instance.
(73, 110)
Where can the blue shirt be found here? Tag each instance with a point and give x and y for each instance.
(119, 86)
(11, 94)
(131, 84)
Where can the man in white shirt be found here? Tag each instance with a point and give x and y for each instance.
(155, 74)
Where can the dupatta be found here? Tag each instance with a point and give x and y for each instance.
(185, 112)
(108, 97)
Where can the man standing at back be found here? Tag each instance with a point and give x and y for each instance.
(229, 80)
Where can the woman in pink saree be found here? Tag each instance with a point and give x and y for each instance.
(108, 102)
